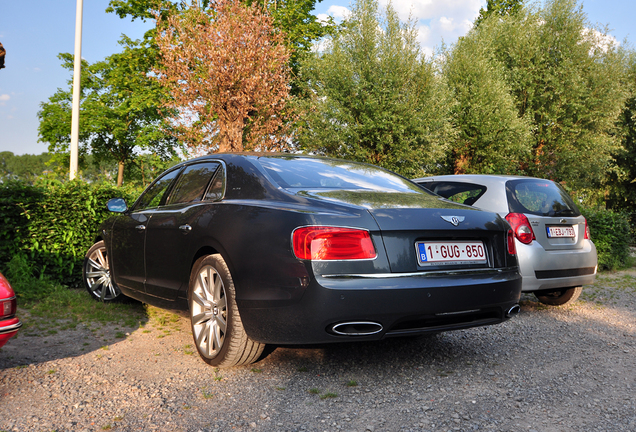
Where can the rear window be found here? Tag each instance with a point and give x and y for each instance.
(459, 192)
(309, 173)
(539, 197)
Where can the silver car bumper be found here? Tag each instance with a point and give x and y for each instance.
(541, 269)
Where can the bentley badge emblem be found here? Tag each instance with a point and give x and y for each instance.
(455, 220)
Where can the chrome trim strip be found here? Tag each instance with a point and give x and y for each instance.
(458, 313)
(11, 328)
(422, 274)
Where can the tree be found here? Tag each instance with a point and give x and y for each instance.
(499, 8)
(293, 18)
(24, 167)
(566, 80)
(492, 139)
(373, 97)
(120, 110)
(227, 71)
(622, 182)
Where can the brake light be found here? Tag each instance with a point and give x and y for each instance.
(8, 307)
(521, 227)
(332, 243)
(512, 249)
(587, 235)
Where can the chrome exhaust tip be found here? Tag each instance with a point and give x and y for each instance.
(513, 311)
(356, 328)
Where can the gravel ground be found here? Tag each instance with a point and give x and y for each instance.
(548, 369)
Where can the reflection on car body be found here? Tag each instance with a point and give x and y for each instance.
(554, 246)
(293, 249)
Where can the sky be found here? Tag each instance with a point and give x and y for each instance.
(34, 32)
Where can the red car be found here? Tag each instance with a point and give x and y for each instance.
(9, 323)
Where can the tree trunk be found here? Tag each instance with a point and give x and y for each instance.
(231, 136)
(120, 173)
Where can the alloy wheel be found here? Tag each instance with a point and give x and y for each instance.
(209, 312)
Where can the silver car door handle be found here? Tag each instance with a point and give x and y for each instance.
(140, 227)
(185, 228)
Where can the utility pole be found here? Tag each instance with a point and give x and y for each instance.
(77, 71)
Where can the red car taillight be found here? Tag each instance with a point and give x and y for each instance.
(332, 243)
(587, 235)
(8, 307)
(512, 249)
(521, 227)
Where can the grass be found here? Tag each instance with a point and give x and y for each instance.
(47, 307)
(51, 306)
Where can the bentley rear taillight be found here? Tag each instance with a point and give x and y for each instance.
(332, 243)
(521, 227)
(512, 249)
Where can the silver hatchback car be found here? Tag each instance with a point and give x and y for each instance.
(555, 251)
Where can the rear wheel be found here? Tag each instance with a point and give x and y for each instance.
(216, 324)
(559, 297)
(96, 275)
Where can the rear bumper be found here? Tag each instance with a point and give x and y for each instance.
(543, 269)
(400, 304)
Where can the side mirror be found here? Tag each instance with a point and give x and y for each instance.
(117, 205)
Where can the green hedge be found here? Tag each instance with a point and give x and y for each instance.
(611, 233)
(53, 223)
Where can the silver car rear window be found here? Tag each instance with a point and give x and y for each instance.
(539, 197)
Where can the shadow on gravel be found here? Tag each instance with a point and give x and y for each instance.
(388, 353)
(43, 340)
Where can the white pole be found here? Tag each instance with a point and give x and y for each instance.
(77, 70)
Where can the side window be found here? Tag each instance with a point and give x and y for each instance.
(462, 193)
(216, 190)
(156, 192)
(192, 183)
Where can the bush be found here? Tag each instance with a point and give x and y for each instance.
(53, 224)
(611, 233)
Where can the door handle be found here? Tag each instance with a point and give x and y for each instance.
(140, 227)
(185, 228)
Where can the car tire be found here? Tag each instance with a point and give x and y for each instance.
(96, 275)
(560, 297)
(217, 328)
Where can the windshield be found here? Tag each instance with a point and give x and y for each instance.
(539, 197)
(302, 173)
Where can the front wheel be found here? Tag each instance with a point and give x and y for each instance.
(217, 328)
(96, 275)
(559, 297)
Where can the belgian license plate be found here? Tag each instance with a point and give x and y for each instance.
(450, 252)
(560, 231)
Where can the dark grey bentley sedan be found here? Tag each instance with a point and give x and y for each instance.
(293, 249)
